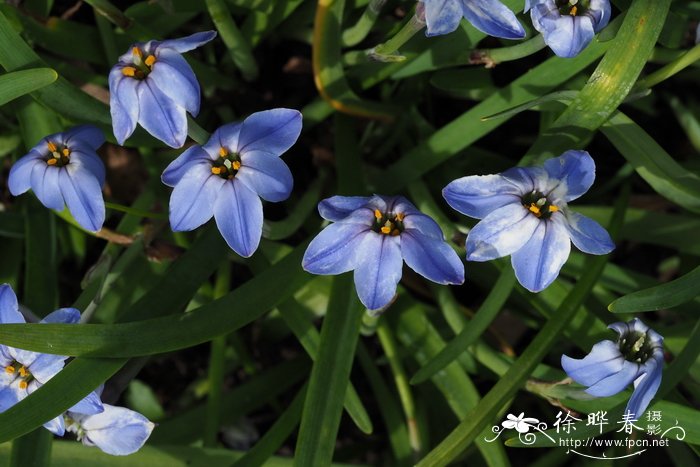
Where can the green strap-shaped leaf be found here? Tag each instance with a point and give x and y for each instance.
(609, 85)
(19, 83)
(330, 376)
(674, 293)
(152, 336)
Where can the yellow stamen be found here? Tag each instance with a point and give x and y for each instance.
(236, 165)
(129, 71)
(217, 170)
(400, 216)
(573, 11)
(9, 369)
(553, 208)
(66, 152)
(395, 232)
(136, 51)
(534, 209)
(23, 385)
(377, 214)
(386, 230)
(223, 152)
(150, 60)
(52, 161)
(23, 372)
(52, 147)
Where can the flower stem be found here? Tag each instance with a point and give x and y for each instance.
(390, 350)
(135, 212)
(492, 57)
(387, 52)
(680, 63)
(217, 363)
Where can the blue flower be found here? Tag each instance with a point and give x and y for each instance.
(525, 214)
(488, 16)
(64, 169)
(115, 430)
(637, 357)
(374, 236)
(153, 85)
(227, 176)
(22, 371)
(568, 26)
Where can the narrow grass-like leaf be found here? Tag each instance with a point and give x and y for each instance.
(19, 83)
(330, 376)
(673, 293)
(237, 44)
(483, 318)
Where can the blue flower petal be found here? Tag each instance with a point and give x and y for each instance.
(83, 194)
(192, 200)
(272, 131)
(379, 270)
(84, 134)
(337, 249)
(90, 405)
(44, 366)
(177, 169)
(239, 217)
(442, 16)
(501, 233)
(90, 162)
(19, 180)
(616, 382)
(479, 195)
(46, 186)
(528, 179)
(267, 175)
(604, 360)
(587, 235)
(424, 224)
(56, 426)
(191, 42)
(337, 208)
(161, 116)
(493, 18)
(645, 388)
(123, 104)
(9, 308)
(539, 261)
(63, 316)
(570, 35)
(117, 431)
(575, 170)
(431, 258)
(8, 397)
(177, 82)
(226, 137)
(601, 11)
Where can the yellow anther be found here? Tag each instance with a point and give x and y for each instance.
(377, 214)
(52, 147)
(217, 170)
(386, 230)
(573, 11)
(223, 152)
(9, 369)
(136, 51)
(150, 60)
(553, 208)
(395, 232)
(66, 152)
(533, 208)
(23, 372)
(52, 161)
(236, 165)
(23, 385)
(129, 71)
(400, 216)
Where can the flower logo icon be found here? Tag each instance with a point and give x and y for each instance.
(520, 423)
